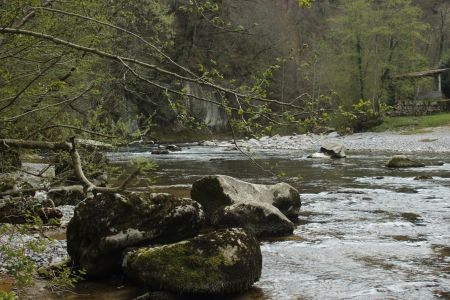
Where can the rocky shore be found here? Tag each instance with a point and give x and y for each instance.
(429, 140)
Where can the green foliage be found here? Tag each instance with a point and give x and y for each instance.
(414, 123)
(305, 3)
(375, 40)
(363, 115)
(7, 295)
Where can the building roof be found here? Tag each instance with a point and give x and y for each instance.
(422, 73)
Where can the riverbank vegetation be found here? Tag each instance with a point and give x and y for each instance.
(130, 69)
(414, 123)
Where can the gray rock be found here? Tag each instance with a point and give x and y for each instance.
(106, 224)
(334, 150)
(220, 262)
(267, 210)
(401, 161)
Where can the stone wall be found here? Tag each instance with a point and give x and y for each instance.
(420, 107)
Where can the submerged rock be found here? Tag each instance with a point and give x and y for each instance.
(221, 262)
(266, 210)
(401, 161)
(105, 225)
(160, 151)
(423, 177)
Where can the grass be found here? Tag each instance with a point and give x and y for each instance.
(413, 124)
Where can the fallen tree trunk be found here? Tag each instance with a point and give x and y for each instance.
(71, 148)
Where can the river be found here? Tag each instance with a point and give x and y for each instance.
(364, 232)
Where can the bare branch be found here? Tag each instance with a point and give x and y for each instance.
(29, 84)
(140, 63)
(77, 129)
(154, 47)
(49, 106)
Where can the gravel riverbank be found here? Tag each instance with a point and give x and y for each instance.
(430, 140)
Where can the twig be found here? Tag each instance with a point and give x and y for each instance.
(77, 128)
(50, 105)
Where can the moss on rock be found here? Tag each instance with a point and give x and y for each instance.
(224, 261)
(105, 225)
(401, 161)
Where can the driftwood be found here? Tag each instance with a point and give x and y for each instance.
(71, 147)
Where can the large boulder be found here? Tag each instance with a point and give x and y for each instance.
(220, 262)
(401, 161)
(267, 210)
(334, 150)
(108, 223)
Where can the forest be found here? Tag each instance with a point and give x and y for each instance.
(99, 100)
(139, 67)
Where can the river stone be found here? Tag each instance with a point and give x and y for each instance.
(229, 202)
(108, 223)
(220, 262)
(401, 161)
(334, 150)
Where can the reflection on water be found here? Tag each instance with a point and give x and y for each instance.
(365, 232)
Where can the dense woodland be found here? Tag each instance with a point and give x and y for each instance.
(132, 67)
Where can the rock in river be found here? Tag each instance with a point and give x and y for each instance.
(220, 262)
(266, 210)
(105, 225)
(334, 150)
(401, 161)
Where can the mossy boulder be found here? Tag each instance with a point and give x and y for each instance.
(220, 262)
(266, 210)
(401, 161)
(108, 223)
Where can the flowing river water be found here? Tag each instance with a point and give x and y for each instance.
(364, 232)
